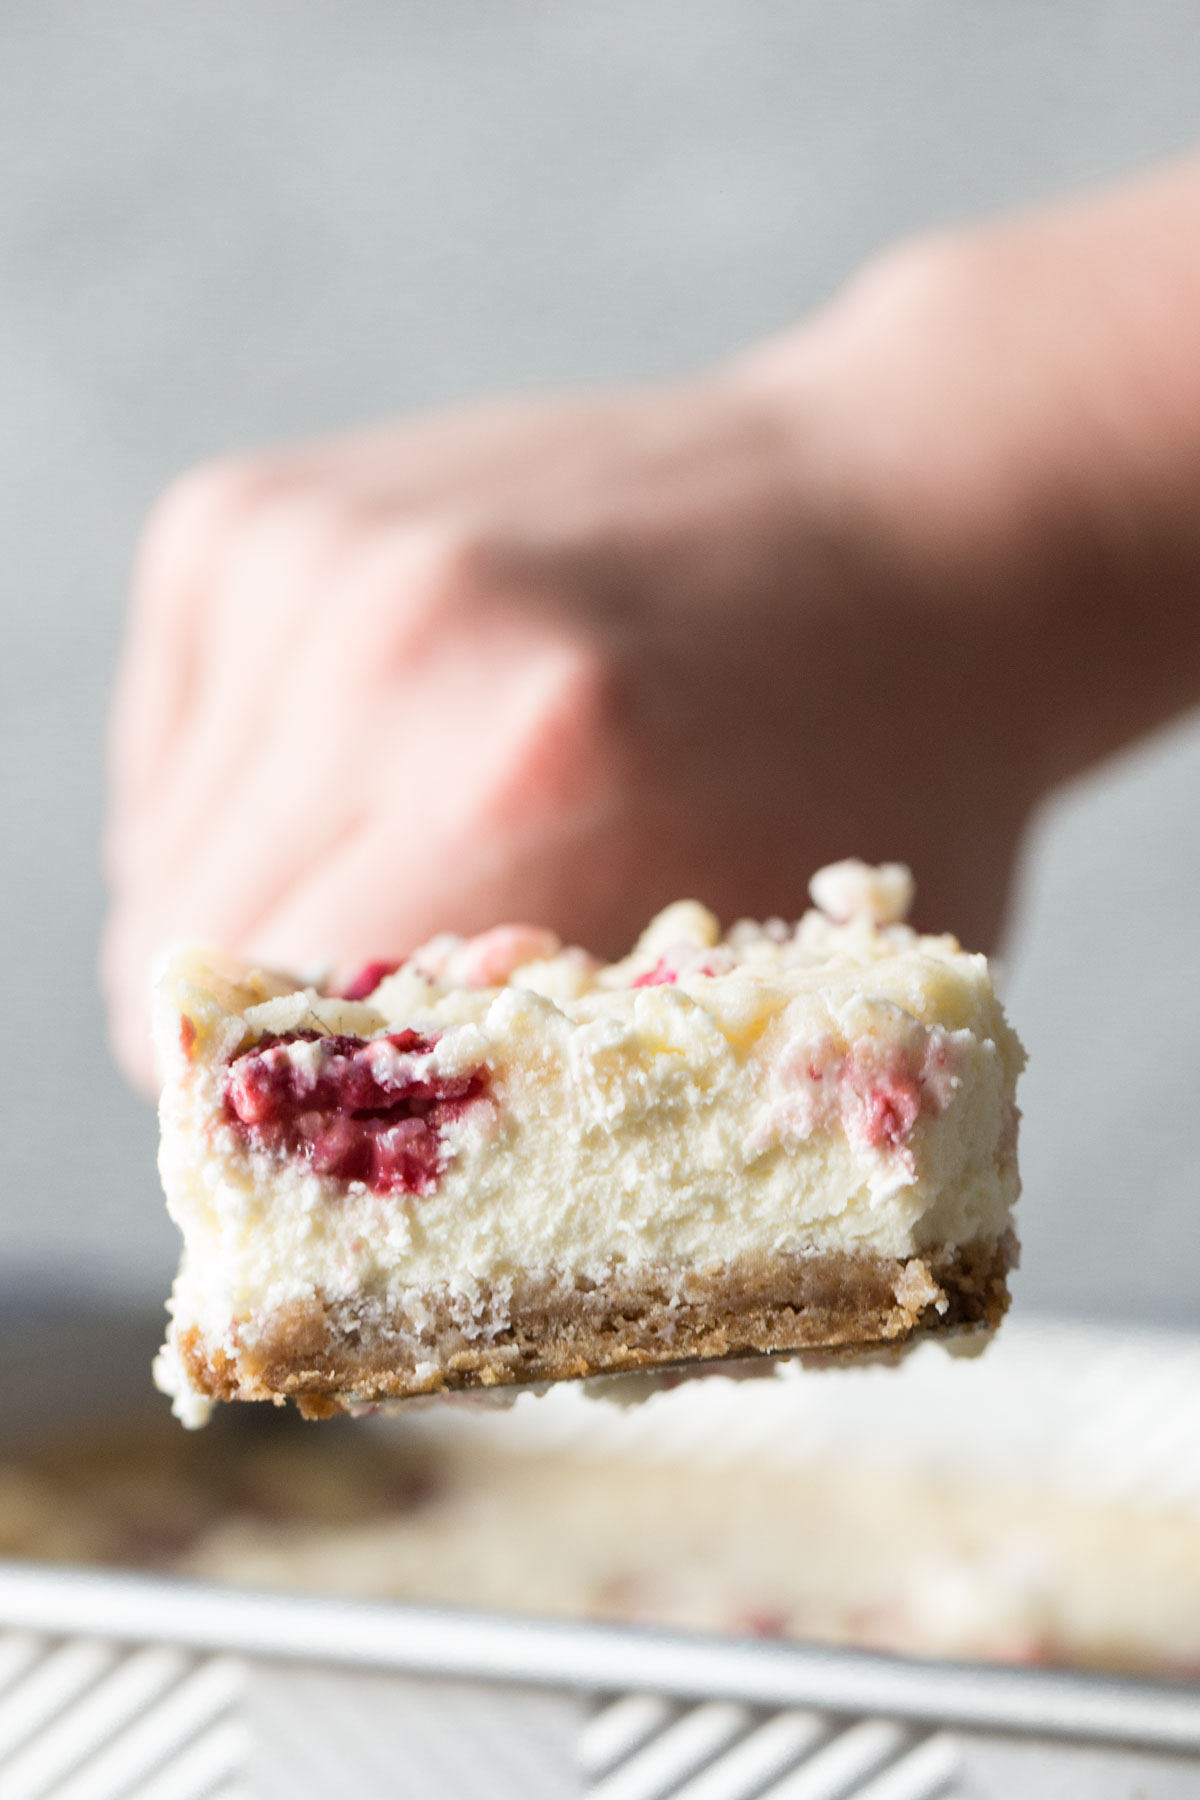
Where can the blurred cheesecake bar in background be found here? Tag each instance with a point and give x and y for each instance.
(505, 1162)
(1041, 1503)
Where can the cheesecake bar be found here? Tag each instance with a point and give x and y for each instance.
(503, 1161)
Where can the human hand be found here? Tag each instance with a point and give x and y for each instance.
(566, 660)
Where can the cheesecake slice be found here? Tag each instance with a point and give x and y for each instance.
(503, 1161)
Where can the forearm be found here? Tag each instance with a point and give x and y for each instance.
(1016, 411)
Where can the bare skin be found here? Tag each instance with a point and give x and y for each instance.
(871, 589)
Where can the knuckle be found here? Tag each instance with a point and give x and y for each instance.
(916, 277)
(434, 586)
(586, 686)
(195, 511)
(197, 499)
(454, 568)
(573, 742)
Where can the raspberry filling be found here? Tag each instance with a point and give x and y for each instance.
(685, 960)
(889, 1112)
(661, 975)
(884, 1091)
(358, 1109)
(362, 985)
(876, 1089)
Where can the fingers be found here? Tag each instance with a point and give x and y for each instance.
(172, 580)
(298, 614)
(495, 747)
(365, 693)
(481, 788)
(265, 584)
(234, 552)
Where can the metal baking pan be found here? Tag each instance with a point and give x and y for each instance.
(120, 1684)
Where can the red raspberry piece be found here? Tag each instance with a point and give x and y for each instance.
(357, 1109)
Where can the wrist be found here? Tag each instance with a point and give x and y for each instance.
(1019, 476)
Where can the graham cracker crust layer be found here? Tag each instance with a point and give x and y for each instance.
(547, 1327)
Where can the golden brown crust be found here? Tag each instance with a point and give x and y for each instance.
(548, 1328)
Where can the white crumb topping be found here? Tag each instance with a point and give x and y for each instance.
(686, 922)
(845, 890)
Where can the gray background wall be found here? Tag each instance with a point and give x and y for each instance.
(247, 219)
